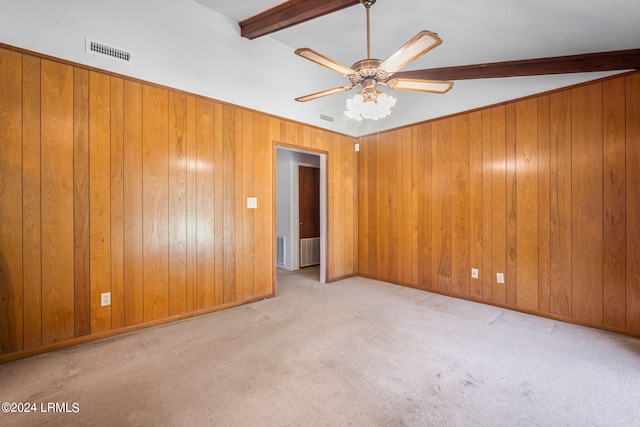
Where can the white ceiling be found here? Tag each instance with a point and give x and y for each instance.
(195, 46)
(472, 32)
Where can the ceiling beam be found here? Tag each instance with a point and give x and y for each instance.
(288, 14)
(602, 61)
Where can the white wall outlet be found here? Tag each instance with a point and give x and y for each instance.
(252, 202)
(356, 147)
(500, 277)
(105, 299)
(474, 273)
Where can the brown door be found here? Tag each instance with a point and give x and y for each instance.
(309, 204)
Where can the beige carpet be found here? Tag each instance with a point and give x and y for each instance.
(356, 352)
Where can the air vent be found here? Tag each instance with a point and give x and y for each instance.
(326, 117)
(108, 51)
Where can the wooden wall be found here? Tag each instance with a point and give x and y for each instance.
(545, 190)
(113, 185)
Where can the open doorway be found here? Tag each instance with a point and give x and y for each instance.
(295, 247)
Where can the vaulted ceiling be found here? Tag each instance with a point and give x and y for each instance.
(472, 32)
(198, 46)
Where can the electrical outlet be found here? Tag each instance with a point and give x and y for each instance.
(500, 277)
(474, 273)
(105, 299)
(252, 202)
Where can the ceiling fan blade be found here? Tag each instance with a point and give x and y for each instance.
(413, 49)
(417, 85)
(590, 62)
(324, 61)
(324, 93)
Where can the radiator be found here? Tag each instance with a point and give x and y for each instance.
(280, 248)
(309, 252)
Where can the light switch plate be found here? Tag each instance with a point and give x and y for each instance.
(252, 202)
(500, 277)
(105, 299)
(474, 273)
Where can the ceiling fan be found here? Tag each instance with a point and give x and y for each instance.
(369, 73)
(294, 12)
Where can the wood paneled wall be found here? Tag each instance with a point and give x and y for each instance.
(545, 190)
(113, 185)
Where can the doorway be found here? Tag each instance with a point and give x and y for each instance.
(292, 225)
(309, 215)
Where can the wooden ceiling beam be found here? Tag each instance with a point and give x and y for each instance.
(289, 14)
(602, 61)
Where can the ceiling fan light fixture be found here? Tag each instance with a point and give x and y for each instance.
(373, 105)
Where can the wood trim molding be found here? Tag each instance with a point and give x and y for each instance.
(289, 14)
(601, 61)
(8, 357)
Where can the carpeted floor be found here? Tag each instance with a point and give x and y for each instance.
(356, 352)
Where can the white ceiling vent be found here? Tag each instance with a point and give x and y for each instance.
(326, 117)
(106, 50)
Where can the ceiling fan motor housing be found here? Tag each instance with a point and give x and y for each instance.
(368, 69)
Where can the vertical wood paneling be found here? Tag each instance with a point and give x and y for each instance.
(405, 194)
(544, 205)
(228, 204)
(248, 215)
(218, 212)
(205, 199)
(81, 203)
(486, 273)
(371, 146)
(239, 203)
(162, 177)
(333, 204)
(435, 205)
(424, 181)
(31, 202)
(117, 203)
(613, 163)
(391, 245)
(155, 180)
(476, 198)
(363, 206)
(133, 205)
(444, 161)
(178, 218)
(560, 241)
(526, 172)
(57, 202)
(263, 170)
(416, 217)
(460, 205)
(498, 204)
(11, 226)
(510, 277)
(382, 225)
(192, 202)
(633, 202)
(537, 189)
(349, 168)
(99, 198)
(586, 208)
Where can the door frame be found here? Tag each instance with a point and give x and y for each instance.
(323, 155)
